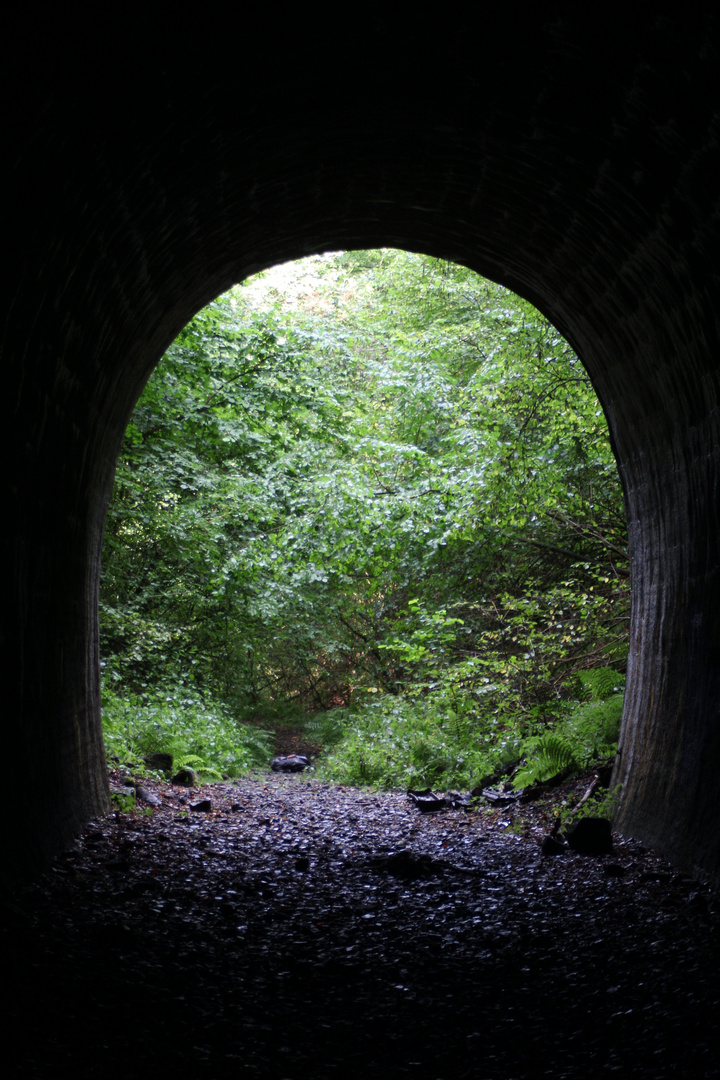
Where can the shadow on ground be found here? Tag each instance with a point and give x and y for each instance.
(299, 930)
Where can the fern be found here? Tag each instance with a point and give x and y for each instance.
(594, 727)
(190, 761)
(197, 731)
(600, 683)
(547, 756)
(198, 765)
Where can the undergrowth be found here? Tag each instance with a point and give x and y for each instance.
(446, 736)
(589, 732)
(199, 733)
(442, 740)
(396, 741)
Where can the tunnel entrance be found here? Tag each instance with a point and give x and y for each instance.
(569, 164)
(367, 508)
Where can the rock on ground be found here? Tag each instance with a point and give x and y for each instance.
(299, 929)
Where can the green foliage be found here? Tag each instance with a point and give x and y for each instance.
(397, 742)
(601, 682)
(421, 639)
(125, 802)
(602, 804)
(549, 755)
(198, 733)
(589, 731)
(594, 727)
(373, 489)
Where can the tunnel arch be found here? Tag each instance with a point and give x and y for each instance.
(577, 167)
(269, 646)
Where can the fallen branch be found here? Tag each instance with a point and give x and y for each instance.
(590, 792)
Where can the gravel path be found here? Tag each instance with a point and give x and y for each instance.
(303, 930)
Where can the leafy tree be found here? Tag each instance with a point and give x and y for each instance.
(389, 479)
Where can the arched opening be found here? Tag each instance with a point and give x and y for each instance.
(382, 503)
(654, 425)
(573, 161)
(582, 185)
(299, 929)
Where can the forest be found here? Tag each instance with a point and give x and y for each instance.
(370, 496)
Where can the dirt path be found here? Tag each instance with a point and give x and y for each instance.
(302, 930)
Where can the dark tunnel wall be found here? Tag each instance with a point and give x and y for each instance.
(576, 164)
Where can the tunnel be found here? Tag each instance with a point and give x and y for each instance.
(573, 159)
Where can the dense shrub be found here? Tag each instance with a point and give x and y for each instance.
(196, 731)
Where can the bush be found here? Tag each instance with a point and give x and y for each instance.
(395, 741)
(197, 731)
(589, 732)
(453, 737)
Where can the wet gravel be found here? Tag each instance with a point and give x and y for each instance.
(300, 929)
